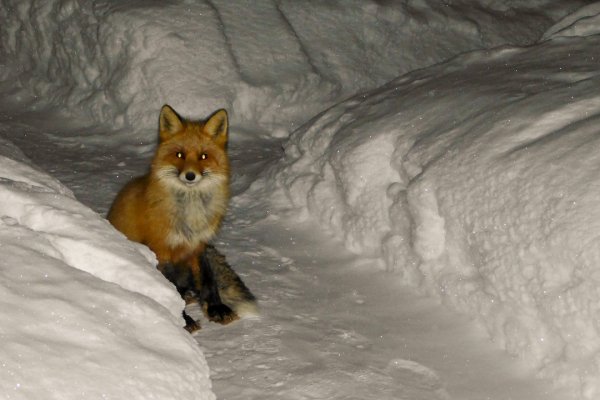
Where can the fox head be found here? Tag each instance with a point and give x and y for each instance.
(192, 155)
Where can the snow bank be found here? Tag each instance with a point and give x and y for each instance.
(476, 180)
(84, 313)
(271, 63)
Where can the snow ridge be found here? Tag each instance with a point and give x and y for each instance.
(476, 181)
(116, 64)
(85, 313)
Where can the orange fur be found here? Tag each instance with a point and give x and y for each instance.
(178, 206)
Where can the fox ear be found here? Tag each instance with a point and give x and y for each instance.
(217, 126)
(169, 122)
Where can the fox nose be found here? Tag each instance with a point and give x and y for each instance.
(190, 176)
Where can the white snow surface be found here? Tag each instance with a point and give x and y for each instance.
(85, 313)
(271, 63)
(474, 181)
(477, 181)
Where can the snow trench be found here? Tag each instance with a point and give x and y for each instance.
(476, 181)
(415, 173)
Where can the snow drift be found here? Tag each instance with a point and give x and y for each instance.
(84, 313)
(117, 63)
(476, 180)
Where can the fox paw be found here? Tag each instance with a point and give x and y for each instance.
(190, 323)
(192, 327)
(221, 313)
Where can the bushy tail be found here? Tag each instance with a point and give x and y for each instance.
(232, 290)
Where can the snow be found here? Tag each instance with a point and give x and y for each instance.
(471, 181)
(271, 64)
(583, 22)
(81, 303)
(475, 180)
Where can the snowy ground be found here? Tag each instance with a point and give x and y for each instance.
(350, 231)
(332, 329)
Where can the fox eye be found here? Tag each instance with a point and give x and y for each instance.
(204, 156)
(180, 154)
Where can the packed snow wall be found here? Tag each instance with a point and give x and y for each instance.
(84, 312)
(477, 181)
(271, 64)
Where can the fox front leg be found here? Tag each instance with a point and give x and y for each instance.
(182, 278)
(191, 325)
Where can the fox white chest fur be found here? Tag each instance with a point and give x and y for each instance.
(195, 216)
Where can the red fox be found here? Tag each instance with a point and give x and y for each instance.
(177, 208)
